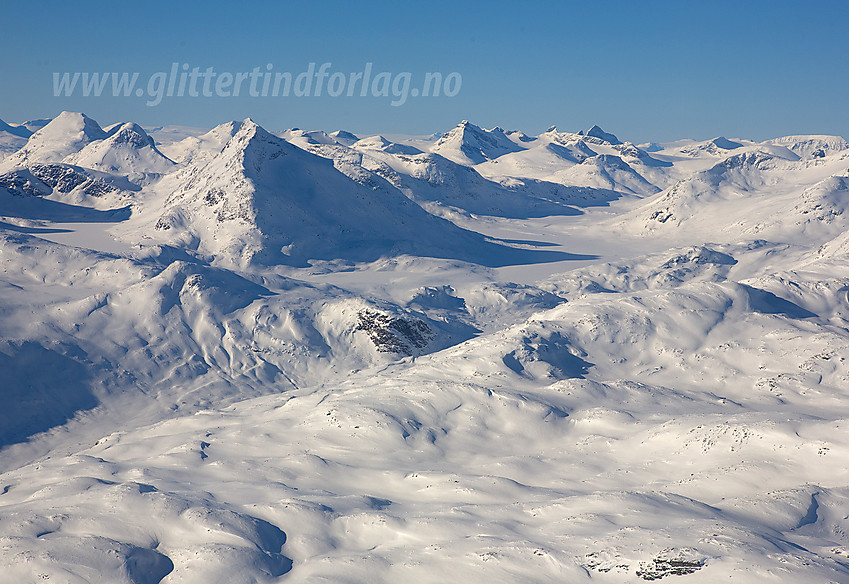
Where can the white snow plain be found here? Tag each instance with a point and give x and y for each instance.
(243, 357)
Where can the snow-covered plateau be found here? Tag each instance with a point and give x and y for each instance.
(239, 356)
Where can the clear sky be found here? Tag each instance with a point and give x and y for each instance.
(642, 70)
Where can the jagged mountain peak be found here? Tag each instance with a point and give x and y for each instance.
(597, 132)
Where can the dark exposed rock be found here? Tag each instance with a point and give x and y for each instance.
(662, 567)
(394, 334)
(22, 183)
(66, 178)
(62, 178)
(40, 179)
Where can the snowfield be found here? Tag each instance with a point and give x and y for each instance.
(239, 356)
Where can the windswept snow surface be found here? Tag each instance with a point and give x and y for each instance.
(234, 356)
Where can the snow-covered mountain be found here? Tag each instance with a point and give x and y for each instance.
(597, 160)
(470, 144)
(344, 137)
(383, 145)
(597, 132)
(262, 199)
(126, 150)
(812, 146)
(35, 125)
(746, 194)
(312, 137)
(487, 356)
(14, 136)
(66, 134)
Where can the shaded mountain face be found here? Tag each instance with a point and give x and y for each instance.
(446, 188)
(19, 131)
(35, 125)
(597, 132)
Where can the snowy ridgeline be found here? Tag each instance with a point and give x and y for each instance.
(237, 356)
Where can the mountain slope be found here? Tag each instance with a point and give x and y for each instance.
(748, 193)
(198, 149)
(263, 200)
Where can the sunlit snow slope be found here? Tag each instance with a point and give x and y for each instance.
(485, 357)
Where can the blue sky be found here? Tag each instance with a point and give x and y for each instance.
(643, 70)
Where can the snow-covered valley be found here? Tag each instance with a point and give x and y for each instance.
(246, 356)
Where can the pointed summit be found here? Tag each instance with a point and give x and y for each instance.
(469, 144)
(597, 132)
(251, 147)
